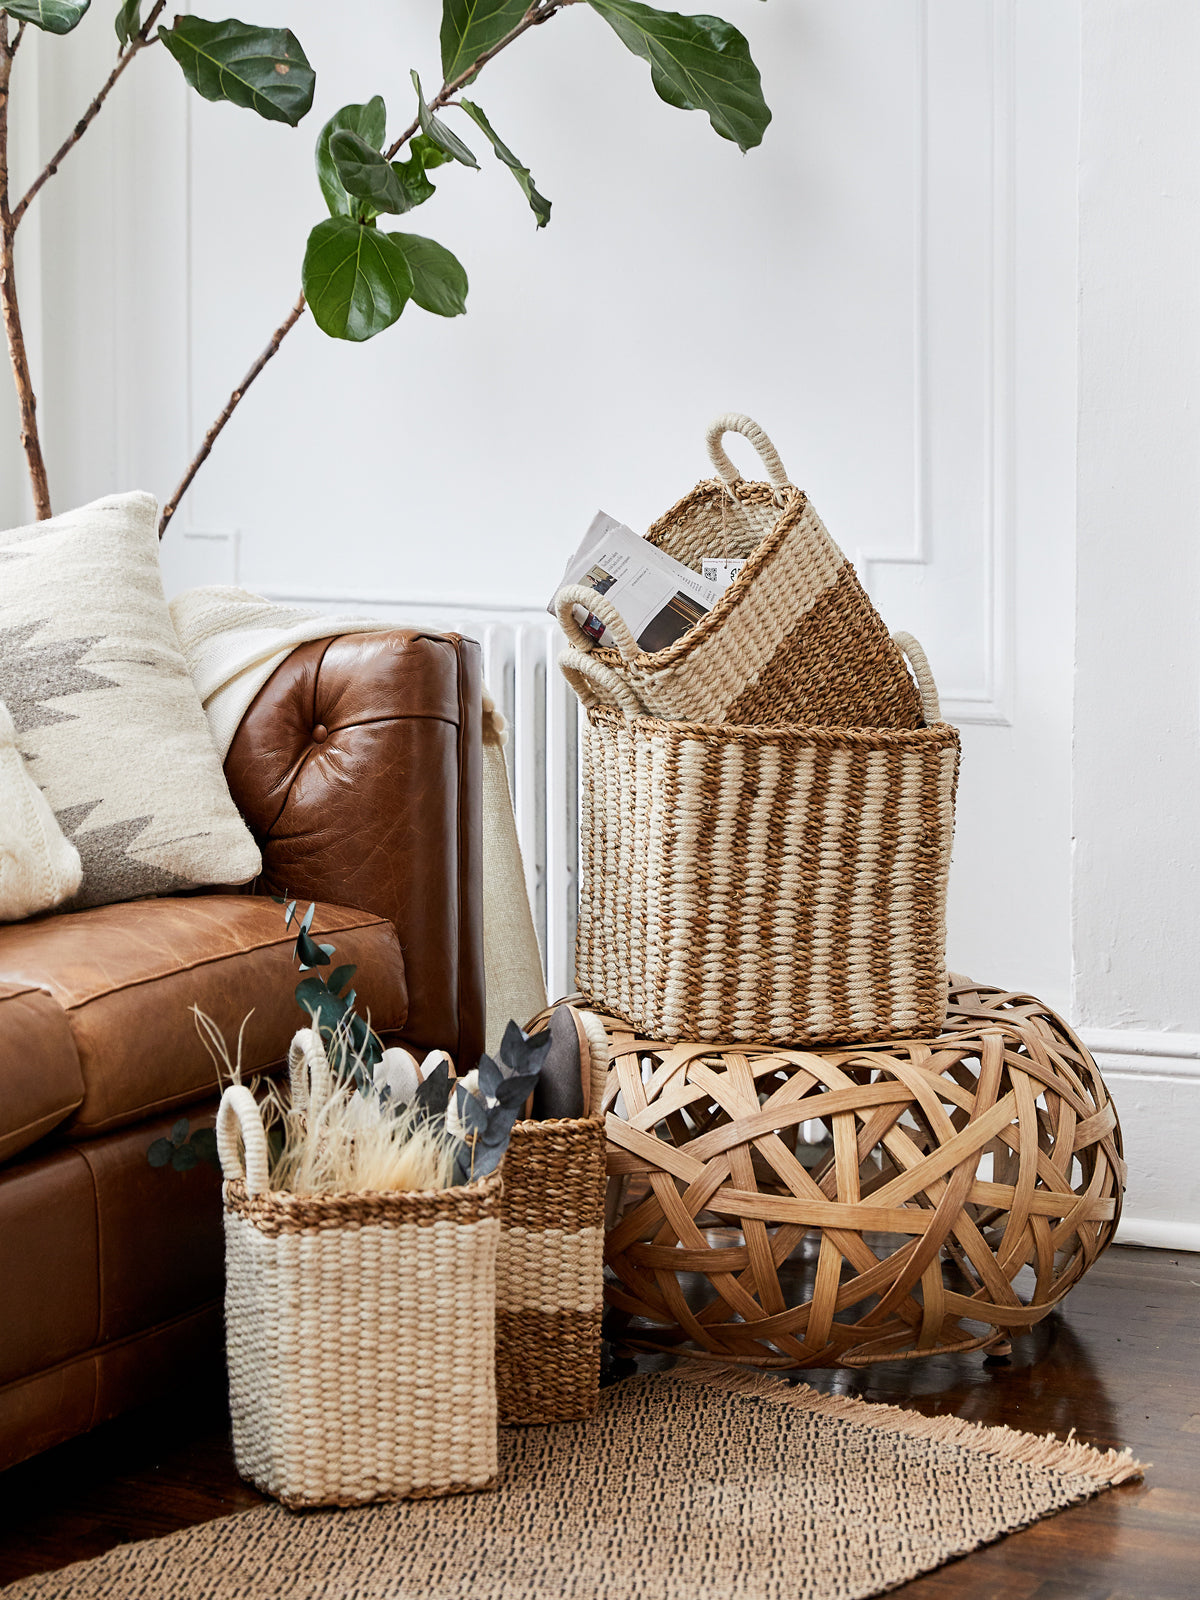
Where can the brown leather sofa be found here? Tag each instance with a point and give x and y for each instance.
(358, 768)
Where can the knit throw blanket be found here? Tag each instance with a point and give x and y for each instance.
(234, 640)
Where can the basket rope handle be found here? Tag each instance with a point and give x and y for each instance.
(736, 422)
(239, 1126)
(598, 685)
(918, 662)
(575, 594)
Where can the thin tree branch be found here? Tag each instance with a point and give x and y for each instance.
(139, 42)
(540, 11)
(26, 399)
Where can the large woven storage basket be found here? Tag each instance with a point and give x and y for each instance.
(775, 884)
(549, 1270)
(793, 639)
(359, 1332)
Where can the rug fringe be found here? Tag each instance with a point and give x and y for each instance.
(1065, 1456)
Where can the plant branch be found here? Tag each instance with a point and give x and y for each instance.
(540, 11)
(139, 42)
(26, 399)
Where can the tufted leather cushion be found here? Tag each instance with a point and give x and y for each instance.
(125, 976)
(40, 1080)
(359, 771)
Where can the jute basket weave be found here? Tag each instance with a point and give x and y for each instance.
(776, 884)
(359, 1332)
(793, 639)
(549, 1271)
(955, 1190)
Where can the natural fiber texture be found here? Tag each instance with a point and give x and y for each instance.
(359, 1332)
(793, 639)
(549, 1267)
(948, 1176)
(765, 883)
(677, 1488)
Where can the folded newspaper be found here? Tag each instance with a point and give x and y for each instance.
(659, 597)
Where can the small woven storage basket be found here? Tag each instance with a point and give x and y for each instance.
(549, 1270)
(793, 639)
(359, 1331)
(776, 884)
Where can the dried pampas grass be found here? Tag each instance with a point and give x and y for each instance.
(326, 1136)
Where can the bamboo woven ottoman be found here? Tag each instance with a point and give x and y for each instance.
(837, 1206)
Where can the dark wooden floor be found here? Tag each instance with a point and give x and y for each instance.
(1118, 1364)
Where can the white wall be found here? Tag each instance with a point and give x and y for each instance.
(925, 284)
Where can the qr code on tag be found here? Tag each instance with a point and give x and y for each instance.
(716, 570)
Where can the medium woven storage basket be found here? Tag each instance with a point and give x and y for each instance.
(777, 884)
(793, 639)
(359, 1332)
(549, 1270)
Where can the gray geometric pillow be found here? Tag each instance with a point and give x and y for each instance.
(106, 715)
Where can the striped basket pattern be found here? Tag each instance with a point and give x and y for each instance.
(776, 884)
(359, 1329)
(549, 1271)
(793, 639)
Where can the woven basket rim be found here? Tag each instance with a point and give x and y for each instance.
(347, 1205)
(556, 1124)
(795, 503)
(776, 732)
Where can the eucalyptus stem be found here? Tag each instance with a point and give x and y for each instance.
(18, 356)
(540, 11)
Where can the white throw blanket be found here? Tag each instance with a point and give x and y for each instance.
(234, 640)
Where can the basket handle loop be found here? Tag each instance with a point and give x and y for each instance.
(598, 685)
(736, 422)
(918, 662)
(575, 594)
(239, 1116)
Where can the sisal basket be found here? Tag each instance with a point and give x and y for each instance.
(359, 1331)
(549, 1271)
(840, 1207)
(793, 639)
(779, 884)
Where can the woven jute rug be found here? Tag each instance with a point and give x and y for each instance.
(683, 1485)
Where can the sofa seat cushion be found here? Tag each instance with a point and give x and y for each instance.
(126, 976)
(40, 1080)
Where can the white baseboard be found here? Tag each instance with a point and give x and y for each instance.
(1154, 1079)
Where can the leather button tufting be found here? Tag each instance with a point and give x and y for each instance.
(320, 733)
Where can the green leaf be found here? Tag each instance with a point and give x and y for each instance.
(538, 203)
(51, 16)
(184, 1159)
(365, 173)
(129, 20)
(438, 133)
(696, 63)
(339, 978)
(312, 996)
(426, 152)
(309, 954)
(307, 922)
(204, 1143)
(179, 1131)
(369, 121)
(471, 27)
(262, 69)
(160, 1152)
(439, 281)
(355, 279)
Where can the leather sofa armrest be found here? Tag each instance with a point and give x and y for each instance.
(358, 768)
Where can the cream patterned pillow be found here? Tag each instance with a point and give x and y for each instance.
(39, 868)
(105, 711)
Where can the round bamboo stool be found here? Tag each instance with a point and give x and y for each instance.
(839, 1206)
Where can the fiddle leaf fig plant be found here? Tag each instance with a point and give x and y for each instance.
(357, 277)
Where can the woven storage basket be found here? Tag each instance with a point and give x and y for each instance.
(359, 1331)
(549, 1271)
(793, 639)
(839, 1207)
(779, 884)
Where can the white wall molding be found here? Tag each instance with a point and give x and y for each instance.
(1158, 1234)
(991, 701)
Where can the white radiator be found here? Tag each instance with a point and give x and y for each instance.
(520, 651)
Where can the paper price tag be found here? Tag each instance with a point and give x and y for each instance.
(716, 570)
